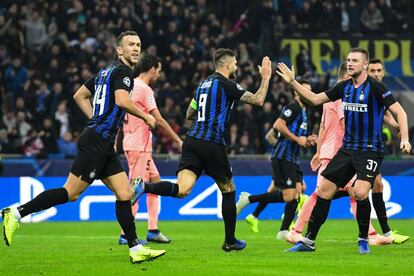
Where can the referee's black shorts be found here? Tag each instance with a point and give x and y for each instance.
(346, 163)
(200, 155)
(96, 158)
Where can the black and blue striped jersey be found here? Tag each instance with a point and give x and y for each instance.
(107, 117)
(215, 97)
(296, 121)
(364, 109)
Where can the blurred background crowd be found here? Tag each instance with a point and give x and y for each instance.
(49, 48)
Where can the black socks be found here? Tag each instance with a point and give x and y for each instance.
(290, 209)
(379, 206)
(126, 220)
(228, 210)
(43, 201)
(259, 208)
(340, 194)
(275, 196)
(162, 188)
(363, 216)
(318, 217)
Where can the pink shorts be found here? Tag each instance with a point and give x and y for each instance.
(140, 163)
(324, 163)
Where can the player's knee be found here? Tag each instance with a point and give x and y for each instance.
(360, 194)
(226, 186)
(289, 195)
(303, 188)
(123, 194)
(183, 192)
(227, 189)
(378, 187)
(73, 196)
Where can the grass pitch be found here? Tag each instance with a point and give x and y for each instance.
(90, 248)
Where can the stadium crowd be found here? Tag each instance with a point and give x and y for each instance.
(49, 48)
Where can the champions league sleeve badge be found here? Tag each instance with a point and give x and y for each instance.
(287, 113)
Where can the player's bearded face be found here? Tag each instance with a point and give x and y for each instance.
(356, 64)
(376, 70)
(232, 68)
(130, 49)
(157, 72)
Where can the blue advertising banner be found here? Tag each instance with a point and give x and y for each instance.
(245, 167)
(204, 203)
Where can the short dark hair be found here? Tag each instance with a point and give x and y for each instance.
(375, 61)
(359, 50)
(146, 62)
(342, 70)
(124, 34)
(220, 53)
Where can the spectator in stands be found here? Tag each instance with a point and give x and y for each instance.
(245, 146)
(372, 18)
(49, 136)
(67, 146)
(15, 75)
(345, 18)
(354, 12)
(5, 144)
(233, 139)
(22, 126)
(33, 145)
(62, 116)
(305, 67)
(59, 44)
(36, 35)
(9, 120)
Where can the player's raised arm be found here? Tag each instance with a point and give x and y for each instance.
(123, 100)
(399, 112)
(258, 98)
(288, 76)
(81, 97)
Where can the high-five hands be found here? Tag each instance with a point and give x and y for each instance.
(288, 75)
(265, 69)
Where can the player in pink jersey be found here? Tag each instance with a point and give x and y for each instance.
(329, 141)
(137, 142)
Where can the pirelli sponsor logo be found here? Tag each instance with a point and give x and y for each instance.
(355, 107)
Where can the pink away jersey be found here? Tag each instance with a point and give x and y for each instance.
(137, 135)
(334, 132)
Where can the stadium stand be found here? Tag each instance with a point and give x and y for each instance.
(49, 48)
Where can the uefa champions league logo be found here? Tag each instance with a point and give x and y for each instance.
(207, 202)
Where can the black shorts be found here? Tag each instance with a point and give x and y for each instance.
(96, 158)
(199, 155)
(347, 163)
(286, 174)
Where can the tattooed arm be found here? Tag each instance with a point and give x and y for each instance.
(258, 98)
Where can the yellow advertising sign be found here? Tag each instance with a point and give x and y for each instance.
(326, 54)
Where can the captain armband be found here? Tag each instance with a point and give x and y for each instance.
(193, 104)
